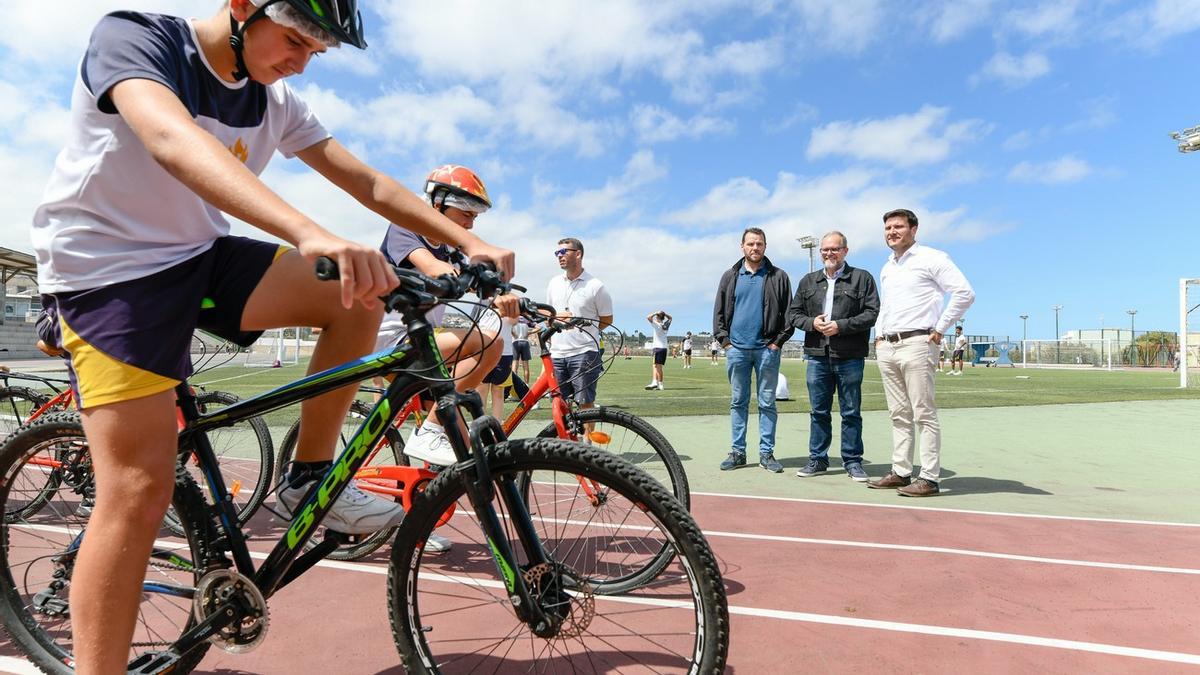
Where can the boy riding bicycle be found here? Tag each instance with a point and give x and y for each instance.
(172, 121)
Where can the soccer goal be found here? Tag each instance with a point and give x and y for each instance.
(1187, 358)
(276, 347)
(1067, 354)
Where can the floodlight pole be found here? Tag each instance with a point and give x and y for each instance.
(809, 242)
(1057, 347)
(1024, 329)
(1132, 337)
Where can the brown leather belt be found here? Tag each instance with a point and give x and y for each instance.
(896, 337)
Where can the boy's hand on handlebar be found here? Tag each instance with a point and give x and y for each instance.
(364, 273)
(508, 305)
(504, 259)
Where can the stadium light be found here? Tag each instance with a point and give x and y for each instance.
(1189, 139)
(1057, 347)
(1024, 329)
(1132, 336)
(810, 243)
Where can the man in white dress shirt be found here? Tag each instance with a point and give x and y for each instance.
(914, 282)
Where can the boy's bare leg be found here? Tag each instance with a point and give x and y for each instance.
(474, 353)
(291, 295)
(133, 445)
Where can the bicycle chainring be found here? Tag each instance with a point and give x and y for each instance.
(221, 587)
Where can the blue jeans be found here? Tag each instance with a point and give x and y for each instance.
(764, 363)
(825, 375)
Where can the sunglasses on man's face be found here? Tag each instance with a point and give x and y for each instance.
(563, 251)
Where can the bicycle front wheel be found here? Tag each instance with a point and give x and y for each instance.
(634, 440)
(451, 613)
(38, 553)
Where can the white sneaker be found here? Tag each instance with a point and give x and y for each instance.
(651, 386)
(660, 386)
(354, 512)
(436, 543)
(430, 446)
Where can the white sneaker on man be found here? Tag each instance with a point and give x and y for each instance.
(354, 512)
(652, 386)
(430, 445)
(660, 386)
(436, 543)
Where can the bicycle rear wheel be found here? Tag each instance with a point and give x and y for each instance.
(244, 452)
(450, 613)
(16, 404)
(37, 555)
(389, 452)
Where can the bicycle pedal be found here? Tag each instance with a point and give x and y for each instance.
(150, 663)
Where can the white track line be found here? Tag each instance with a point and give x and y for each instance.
(17, 666)
(807, 617)
(958, 551)
(1001, 514)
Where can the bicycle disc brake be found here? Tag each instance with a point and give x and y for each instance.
(223, 587)
(564, 596)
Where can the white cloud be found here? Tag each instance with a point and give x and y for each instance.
(952, 19)
(35, 33)
(1012, 71)
(851, 201)
(841, 25)
(588, 205)
(1051, 19)
(1067, 169)
(654, 124)
(923, 137)
(1098, 113)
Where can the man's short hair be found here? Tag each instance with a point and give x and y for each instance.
(754, 230)
(901, 213)
(835, 233)
(958, 329)
(572, 242)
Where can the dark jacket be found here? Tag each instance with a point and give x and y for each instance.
(855, 308)
(777, 288)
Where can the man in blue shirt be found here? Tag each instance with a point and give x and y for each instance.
(749, 322)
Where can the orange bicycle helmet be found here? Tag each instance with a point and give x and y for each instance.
(457, 186)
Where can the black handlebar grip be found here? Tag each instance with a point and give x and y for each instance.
(326, 269)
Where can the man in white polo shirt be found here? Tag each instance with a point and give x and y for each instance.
(576, 353)
(914, 281)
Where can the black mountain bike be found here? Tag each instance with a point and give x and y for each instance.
(518, 590)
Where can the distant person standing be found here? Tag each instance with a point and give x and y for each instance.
(714, 349)
(749, 321)
(914, 281)
(576, 353)
(521, 351)
(660, 321)
(836, 307)
(960, 349)
(687, 350)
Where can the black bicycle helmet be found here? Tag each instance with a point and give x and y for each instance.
(340, 18)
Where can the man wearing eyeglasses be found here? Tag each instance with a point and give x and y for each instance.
(836, 307)
(576, 353)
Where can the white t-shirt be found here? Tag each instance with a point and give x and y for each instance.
(489, 319)
(520, 331)
(687, 343)
(660, 335)
(960, 342)
(583, 296)
(110, 212)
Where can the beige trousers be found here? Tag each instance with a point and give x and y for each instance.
(907, 367)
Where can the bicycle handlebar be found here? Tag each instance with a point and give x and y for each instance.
(419, 289)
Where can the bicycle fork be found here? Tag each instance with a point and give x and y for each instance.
(486, 431)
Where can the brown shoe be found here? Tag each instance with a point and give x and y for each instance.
(919, 488)
(891, 480)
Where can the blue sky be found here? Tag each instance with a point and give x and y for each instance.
(1031, 138)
